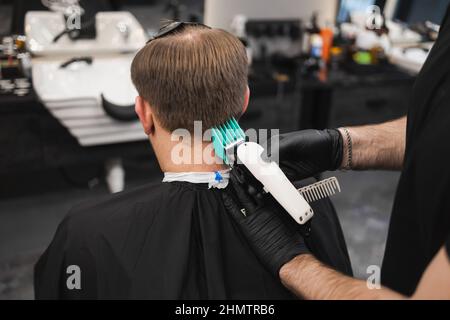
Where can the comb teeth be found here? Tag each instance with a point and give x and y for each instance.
(226, 136)
(320, 190)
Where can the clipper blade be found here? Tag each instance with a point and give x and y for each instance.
(320, 190)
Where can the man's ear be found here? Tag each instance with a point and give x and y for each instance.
(145, 115)
(246, 100)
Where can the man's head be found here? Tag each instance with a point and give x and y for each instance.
(192, 74)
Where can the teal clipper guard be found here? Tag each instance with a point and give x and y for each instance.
(226, 138)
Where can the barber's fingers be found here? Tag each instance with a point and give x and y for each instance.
(240, 175)
(243, 197)
(257, 196)
(233, 208)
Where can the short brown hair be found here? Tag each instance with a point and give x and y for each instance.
(192, 74)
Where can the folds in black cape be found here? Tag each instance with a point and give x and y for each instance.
(168, 241)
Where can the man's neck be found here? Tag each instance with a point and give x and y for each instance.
(174, 157)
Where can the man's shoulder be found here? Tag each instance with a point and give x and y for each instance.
(93, 216)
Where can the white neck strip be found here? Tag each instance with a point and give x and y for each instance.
(218, 179)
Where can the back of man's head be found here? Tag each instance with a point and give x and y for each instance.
(192, 74)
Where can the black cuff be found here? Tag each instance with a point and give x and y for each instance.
(337, 148)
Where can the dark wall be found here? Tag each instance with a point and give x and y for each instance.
(414, 11)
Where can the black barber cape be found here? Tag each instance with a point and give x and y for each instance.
(420, 222)
(167, 241)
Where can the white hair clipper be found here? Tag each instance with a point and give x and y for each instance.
(230, 142)
(274, 181)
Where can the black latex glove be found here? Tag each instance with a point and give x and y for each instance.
(305, 154)
(265, 226)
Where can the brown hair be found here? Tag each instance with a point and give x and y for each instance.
(192, 74)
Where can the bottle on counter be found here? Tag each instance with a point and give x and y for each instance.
(316, 46)
(327, 42)
(309, 35)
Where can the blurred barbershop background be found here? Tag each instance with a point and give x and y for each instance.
(68, 131)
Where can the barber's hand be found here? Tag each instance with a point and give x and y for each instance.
(304, 154)
(270, 235)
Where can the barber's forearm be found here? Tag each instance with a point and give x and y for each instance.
(309, 279)
(380, 146)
